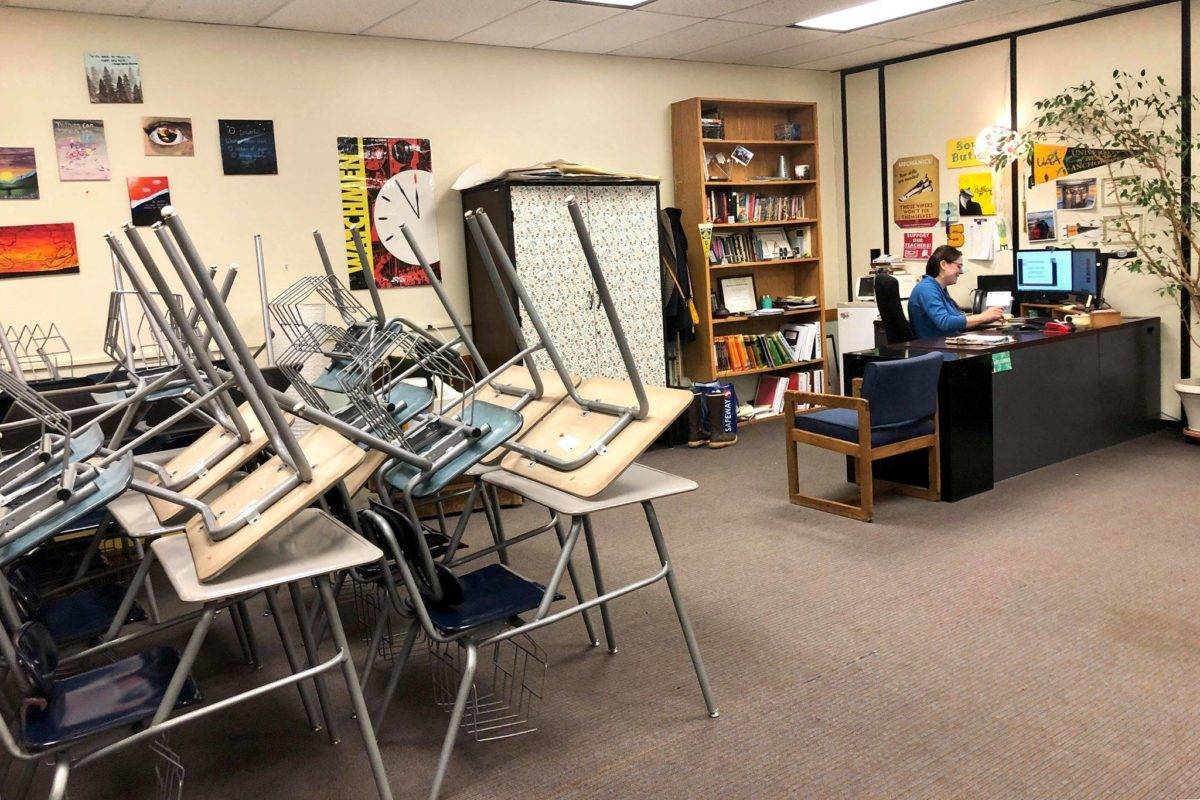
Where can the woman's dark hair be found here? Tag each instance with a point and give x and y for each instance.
(944, 253)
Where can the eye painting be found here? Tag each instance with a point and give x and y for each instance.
(167, 136)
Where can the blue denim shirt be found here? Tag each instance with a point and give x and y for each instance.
(932, 312)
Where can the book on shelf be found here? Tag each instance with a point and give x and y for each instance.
(727, 205)
(763, 244)
(768, 397)
(803, 339)
(810, 381)
(742, 351)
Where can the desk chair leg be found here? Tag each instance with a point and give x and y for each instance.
(587, 621)
(465, 687)
(62, 771)
(865, 479)
(285, 639)
(356, 696)
(28, 770)
(239, 630)
(491, 510)
(310, 651)
(688, 636)
(151, 598)
(410, 638)
(93, 547)
(589, 541)
(186, 660)
(390, 601)
(135, 585)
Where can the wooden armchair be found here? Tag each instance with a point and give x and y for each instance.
(892, 410)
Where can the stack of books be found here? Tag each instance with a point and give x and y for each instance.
(725, 205)
(751, 351)
(803, 340)
(769, 395)
(763, 244)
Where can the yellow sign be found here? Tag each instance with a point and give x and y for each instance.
(975, 195)
(956, 237)
(1048, 162)
(961, 153)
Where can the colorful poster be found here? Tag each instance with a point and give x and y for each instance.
(18, 174)
(918, 246)
(1040, 226)
(385, 183)
(247, 146)
(147, 198)
(961, 153)
(82, 152)
(915, 191)
(1048, 162)
(113, 78)
(1076, 194)
(27, 250)
(167, 136)
(975, 196)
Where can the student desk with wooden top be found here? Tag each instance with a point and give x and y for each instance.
(1022, 405)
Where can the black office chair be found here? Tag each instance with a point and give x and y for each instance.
(887, 300)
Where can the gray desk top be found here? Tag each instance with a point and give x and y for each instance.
(636, 484)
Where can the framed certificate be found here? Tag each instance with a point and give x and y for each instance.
(738, 294)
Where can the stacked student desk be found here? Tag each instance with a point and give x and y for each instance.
(1015, 407)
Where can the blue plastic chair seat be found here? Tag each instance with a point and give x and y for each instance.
(842, 423)
(84, 614)
(491, 594)
(111, 696)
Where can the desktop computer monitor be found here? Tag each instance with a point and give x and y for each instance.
(1085, 272)
(1045, 271)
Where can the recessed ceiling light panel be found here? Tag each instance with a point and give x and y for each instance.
(873, 13)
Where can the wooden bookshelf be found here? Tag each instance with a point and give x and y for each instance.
(750, 124)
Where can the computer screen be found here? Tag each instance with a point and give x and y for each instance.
(1084, 274)
(1045, 271)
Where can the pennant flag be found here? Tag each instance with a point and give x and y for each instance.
(1050, 161)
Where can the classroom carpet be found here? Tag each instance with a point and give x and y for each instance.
(1040, 640)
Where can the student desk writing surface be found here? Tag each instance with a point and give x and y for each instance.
(1025, 404)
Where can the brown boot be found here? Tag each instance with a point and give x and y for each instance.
(697, 432)
(722, 429)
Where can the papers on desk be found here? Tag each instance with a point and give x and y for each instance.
(979, 340)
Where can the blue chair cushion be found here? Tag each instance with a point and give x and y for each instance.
(491, 594)
(84, 614)
(842, 423)
(111, 696)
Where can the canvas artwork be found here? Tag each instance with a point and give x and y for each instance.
(1040, 226)
(247, 146)
(18, 174)
(385, 182)
(976, 197)
(113, 78)
(27, 250)
(1076, 194)
(167, 136)
(82, 152)
(147, 198)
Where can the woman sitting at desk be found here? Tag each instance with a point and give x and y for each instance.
(930, 309)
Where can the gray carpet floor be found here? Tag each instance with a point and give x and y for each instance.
(1037, 641)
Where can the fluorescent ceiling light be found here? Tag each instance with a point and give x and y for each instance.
(611, 3)
(873, 13)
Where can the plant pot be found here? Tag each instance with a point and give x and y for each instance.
(1189, 395)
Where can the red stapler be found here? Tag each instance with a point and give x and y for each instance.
(1058, 327)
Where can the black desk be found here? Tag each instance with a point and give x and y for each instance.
(1064, 395)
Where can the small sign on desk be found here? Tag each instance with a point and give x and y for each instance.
(1002, 361)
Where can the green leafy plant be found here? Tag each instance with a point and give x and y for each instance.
(1142, 115)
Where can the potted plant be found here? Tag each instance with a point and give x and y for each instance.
(1140, 115)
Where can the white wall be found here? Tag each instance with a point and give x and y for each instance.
(500, 106)
(933, 99)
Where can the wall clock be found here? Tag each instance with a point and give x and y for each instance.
(407, 198)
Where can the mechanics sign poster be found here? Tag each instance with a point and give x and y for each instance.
(386, 183)
(915, 195)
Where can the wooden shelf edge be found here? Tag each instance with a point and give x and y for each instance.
(774, 262)
(773, 222)
(733, 373)
(745, 317)
(804, 182)
(761, 142)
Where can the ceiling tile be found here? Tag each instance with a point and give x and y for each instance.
(124, 8)
(789, 12)
(703, 34)
(768, 41)
(1028, 18)
(220, 12)
(698, 8)
(321, 15)
(443, 20)
(827, 47)
(975, 11)
(538, 23)
(619, 31)
(868, 55)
